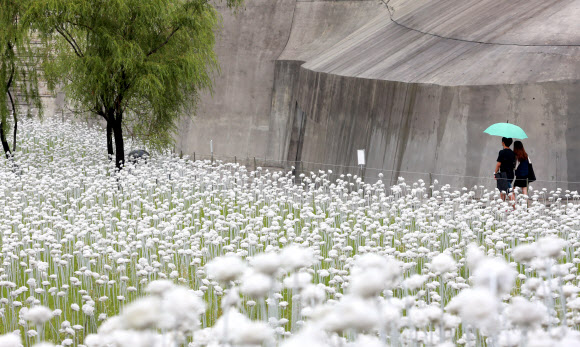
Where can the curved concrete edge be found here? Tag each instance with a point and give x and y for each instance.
(523, 22)
(286, 74)
(317, 26)
(236, 116)
(384, 50)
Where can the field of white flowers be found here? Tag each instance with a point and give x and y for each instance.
(179, 253)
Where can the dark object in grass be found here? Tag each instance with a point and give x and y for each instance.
(138, 155)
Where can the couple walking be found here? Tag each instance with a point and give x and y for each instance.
(513, 168)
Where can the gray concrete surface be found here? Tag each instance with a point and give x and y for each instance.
(317, 26)
(549, 22)
(383, 50)
(418, 101)
(237, 116)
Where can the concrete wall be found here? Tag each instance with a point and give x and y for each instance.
(409, 127)
(418, 101)
(237, 116)
(317, 27)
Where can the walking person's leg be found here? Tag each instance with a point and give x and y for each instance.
(512, 195)
(525, 192)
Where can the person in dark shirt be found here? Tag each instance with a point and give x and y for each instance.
(522, 168)
(506, 162)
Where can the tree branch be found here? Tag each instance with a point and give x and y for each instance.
(9, 83)
(99, 111)
(80, 25)
(15, 119)
(12, 103)
(164, 42)
(70, 40)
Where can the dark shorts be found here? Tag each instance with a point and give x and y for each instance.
(521, 182)
(504, 184)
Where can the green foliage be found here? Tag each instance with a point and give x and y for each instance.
(18, 63)
(140, 62)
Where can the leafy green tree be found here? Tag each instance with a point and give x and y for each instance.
(18, 68)
(138, 64)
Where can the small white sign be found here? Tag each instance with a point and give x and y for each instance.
(211, 146)
(361, 156)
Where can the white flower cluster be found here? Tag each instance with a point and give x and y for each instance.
(171, 252)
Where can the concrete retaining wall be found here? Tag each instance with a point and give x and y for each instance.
(418, 102)
(237, 116)
(408, 127)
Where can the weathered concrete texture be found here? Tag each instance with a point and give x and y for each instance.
(237, 116)
(317, 26)
(384, 50)
(282, 118)
(418, 101)
(409, 127)
(550, 22)
(317, 80)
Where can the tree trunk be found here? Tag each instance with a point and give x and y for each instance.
(110, 150)
(119, 145)
(13, 104)
(5, 145)
(15, 131)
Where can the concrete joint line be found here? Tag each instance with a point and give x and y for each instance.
(392, 12)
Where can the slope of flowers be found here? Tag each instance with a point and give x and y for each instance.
(172, 252)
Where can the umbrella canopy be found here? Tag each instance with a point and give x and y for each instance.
(506, 130)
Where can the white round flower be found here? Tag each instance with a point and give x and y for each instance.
(351, 312)
(142, 314)
(495, 274)
(551, 246)
(160, 287)
(180, 309)
(525, 253)
(525, 314)
(474, 306)
(313, 294)
(225, 269)
(443, 263)
(414, 282)
(38, 315)
(239, 330)
(372, 274)
(10, 340)
(256, 285)
(298, 281)
(89, 310)
(294, 257)
(266, 263)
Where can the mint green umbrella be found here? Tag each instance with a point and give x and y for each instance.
(506, 130)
